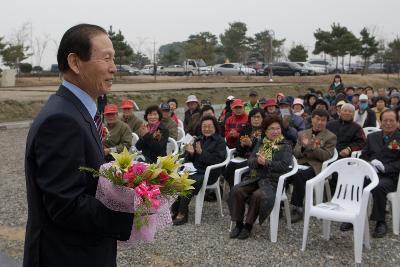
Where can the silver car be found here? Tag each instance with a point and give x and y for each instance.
(233, 69)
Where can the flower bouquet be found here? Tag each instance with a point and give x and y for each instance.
(147, 190)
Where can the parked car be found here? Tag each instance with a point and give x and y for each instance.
(286, 69)
(312, 70)
(149, 69)
(233, 69)
(54, 68)
(128, 69)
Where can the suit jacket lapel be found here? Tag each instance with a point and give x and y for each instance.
(64, 92)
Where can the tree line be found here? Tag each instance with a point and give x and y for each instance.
(233, 44)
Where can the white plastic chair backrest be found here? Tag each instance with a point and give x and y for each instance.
(368, 130)
(180, 124)
(329, 161)
(172, 146)
(181, 134)
(135, 138)
(350, 184)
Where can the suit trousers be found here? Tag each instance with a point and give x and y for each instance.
(253, 195)
(299, 181)
(379, 194)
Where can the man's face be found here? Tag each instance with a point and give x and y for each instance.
(111, 118)
(253, 99)
(388, 122)
(380, 104)
(238, 110)
(350, 92)
(127, 112)
(370, 94)
(96, 75)
(346, 114)
(381, 92)
(332, 92)
(318, 123)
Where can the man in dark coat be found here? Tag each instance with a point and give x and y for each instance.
(67, 225)
(383, 152)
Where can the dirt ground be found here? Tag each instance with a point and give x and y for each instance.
(26, 99)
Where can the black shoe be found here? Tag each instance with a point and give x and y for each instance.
(380, 230)
(244, 234)
(297, 215)
(235, 232)
(180, 221)
(173, 215)
(346, 227)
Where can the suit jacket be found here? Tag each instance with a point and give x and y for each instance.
(376, 148)
(66, 225)
(315, 157)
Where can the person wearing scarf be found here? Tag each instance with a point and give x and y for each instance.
(270, 158)
(249, 136)
(153, 137)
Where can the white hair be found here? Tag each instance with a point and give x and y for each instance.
(348, 106)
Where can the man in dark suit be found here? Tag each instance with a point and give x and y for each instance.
(66, 225)
(383, 152)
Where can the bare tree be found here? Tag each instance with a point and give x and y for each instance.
(39, 47)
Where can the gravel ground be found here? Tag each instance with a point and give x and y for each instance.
(190, 245)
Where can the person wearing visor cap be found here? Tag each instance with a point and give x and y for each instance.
(119, 134)
(168, 122)
(129, 117)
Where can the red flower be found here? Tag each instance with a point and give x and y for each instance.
(395, 147)
(163, 177)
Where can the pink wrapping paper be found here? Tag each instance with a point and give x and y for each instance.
(124, 199)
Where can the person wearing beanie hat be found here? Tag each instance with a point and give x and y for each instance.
(129, 117)
(235, 123)
(364, 116)
(193, 106)
(168, 122)
(119, 134)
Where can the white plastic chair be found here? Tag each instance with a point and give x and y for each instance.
(181, 135)
(279, 196)
(214, 186)
(349, 204)
(172, 146)
(368, 130)
(319, 190)
(135, 138)
(394, 199)
(180, 124)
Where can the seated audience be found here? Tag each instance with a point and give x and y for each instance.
(271, 108)
(235, 123)
(208, 149)
(194, 127)
(364, 116)
(153, 137)
(270, 158)
(193, 107)
(119, 134)
(168, 122)
(313, 147)
(129, 117)
(380, 106)
(253, 102)
(249, 135)
(291, 123)
(383, 152)
(173, 104)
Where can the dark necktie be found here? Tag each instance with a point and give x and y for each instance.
(99, 125)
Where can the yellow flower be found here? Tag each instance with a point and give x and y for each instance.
(169, 163)
(182, 182)
(152, 172)
(123, 160)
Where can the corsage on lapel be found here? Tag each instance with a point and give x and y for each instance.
(394, 145)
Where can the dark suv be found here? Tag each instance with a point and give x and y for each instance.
(286, 69)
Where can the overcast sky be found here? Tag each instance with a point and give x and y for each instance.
(166, 21)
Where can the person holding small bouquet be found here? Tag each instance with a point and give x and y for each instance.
(270, 158)
(153, 137)
(208, 149)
